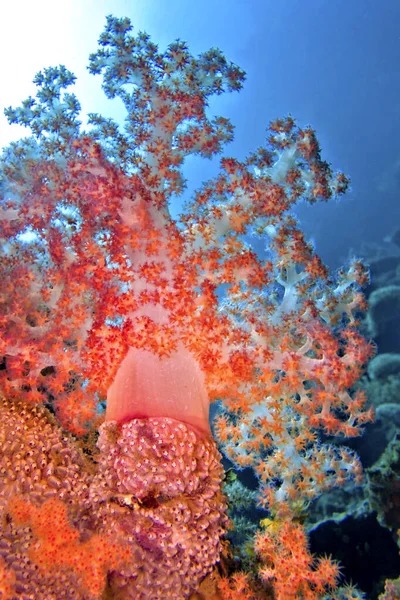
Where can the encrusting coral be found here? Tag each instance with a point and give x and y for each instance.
(116, 319)
(145, 522)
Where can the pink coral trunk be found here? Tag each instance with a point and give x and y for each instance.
(148, 386)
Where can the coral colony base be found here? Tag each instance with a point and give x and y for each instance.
(105, 300)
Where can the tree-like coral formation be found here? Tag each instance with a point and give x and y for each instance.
(105, 297)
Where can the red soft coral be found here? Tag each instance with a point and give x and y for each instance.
(288, 565)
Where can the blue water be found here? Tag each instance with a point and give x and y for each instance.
(333, 64)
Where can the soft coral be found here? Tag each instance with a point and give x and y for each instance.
(287, 563)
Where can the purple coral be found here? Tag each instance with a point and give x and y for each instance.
(162, 480)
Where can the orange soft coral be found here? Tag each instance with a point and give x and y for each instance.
(236, 587)
(7, 581)
(56, 546)
(287, 564)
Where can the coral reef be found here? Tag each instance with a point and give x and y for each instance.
(119, 325)
(76, 528)
(367, 518)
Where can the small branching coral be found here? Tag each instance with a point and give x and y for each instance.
(287, 562)
(105, 298)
